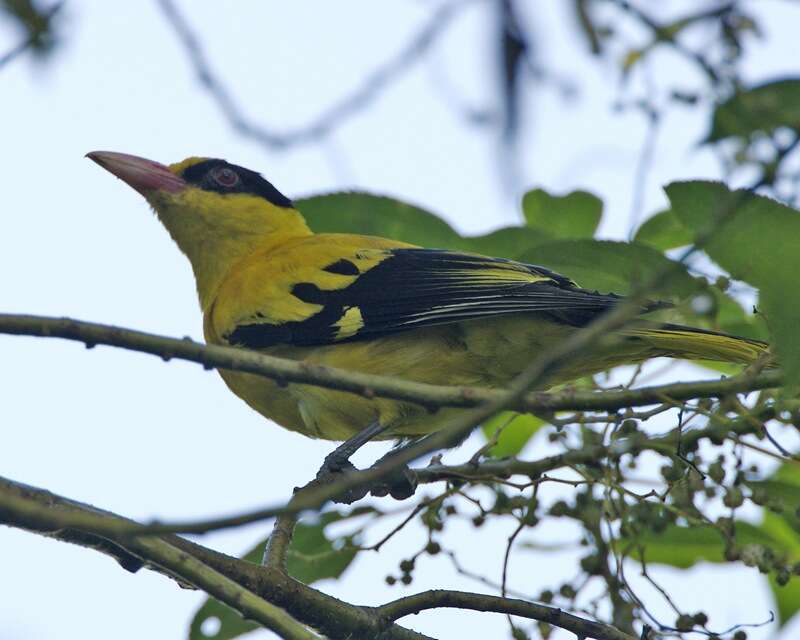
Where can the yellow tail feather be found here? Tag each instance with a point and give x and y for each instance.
(677, 341)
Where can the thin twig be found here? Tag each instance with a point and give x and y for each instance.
(400, 526)
(20, 48)
(507, 556)
(277, 547)
(314, 495)
(662, 34)
(373, 84)
(462, 571)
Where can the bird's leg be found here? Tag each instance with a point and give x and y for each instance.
(338, 460)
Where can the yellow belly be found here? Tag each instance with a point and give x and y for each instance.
(476, 353)
(487, 352)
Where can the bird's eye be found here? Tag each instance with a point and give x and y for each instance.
(225, 177)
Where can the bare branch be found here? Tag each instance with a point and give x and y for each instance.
(367, 385)
(15, 506)
(225, 577)
(662, 34)
(337, 114)
(26, 507)
(479, 602)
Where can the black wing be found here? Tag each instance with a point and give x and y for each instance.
(409, 288)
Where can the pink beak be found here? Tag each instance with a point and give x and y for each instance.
(142, 174)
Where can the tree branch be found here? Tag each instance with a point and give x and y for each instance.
(33, 509)
(259, 593)
(433, 396)
(314, 496)
(279, 541)
(666, 444)
(536, 374)
(15, 507)
(508, 467)
(434, 599)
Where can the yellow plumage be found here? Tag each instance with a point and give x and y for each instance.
(369, 304)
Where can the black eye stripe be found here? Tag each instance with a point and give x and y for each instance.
(224, 176)
(249, 182)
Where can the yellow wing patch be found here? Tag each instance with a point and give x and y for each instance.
(349, 324)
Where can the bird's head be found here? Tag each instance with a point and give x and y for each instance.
(215, 211)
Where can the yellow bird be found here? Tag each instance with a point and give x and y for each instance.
(267, 282)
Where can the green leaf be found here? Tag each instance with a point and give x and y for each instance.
(549, 217)
(508, 242)
(369, 214)
(782, 490)
(373, 215)
(517, 430)
(787, 540)
(787, 598)
(312, 556)
(680, 547)
(218, 621)
(683, 547)
(763, 108)
(784, 536)
(613, 266)
(575, 215)
(729, 317)
(755, 240)
(663, 231)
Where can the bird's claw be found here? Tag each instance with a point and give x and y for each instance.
(401, 484)
(333, 469)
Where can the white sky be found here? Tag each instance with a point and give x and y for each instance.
(129, 433)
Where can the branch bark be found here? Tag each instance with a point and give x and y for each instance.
(264, 594)
(241, 585)
(437, 598)
(17, 506)
(432, 396)
(279, 540)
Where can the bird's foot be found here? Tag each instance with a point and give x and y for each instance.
(400, 484)
(333, 469)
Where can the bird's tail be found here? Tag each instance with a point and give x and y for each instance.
(677, 341)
